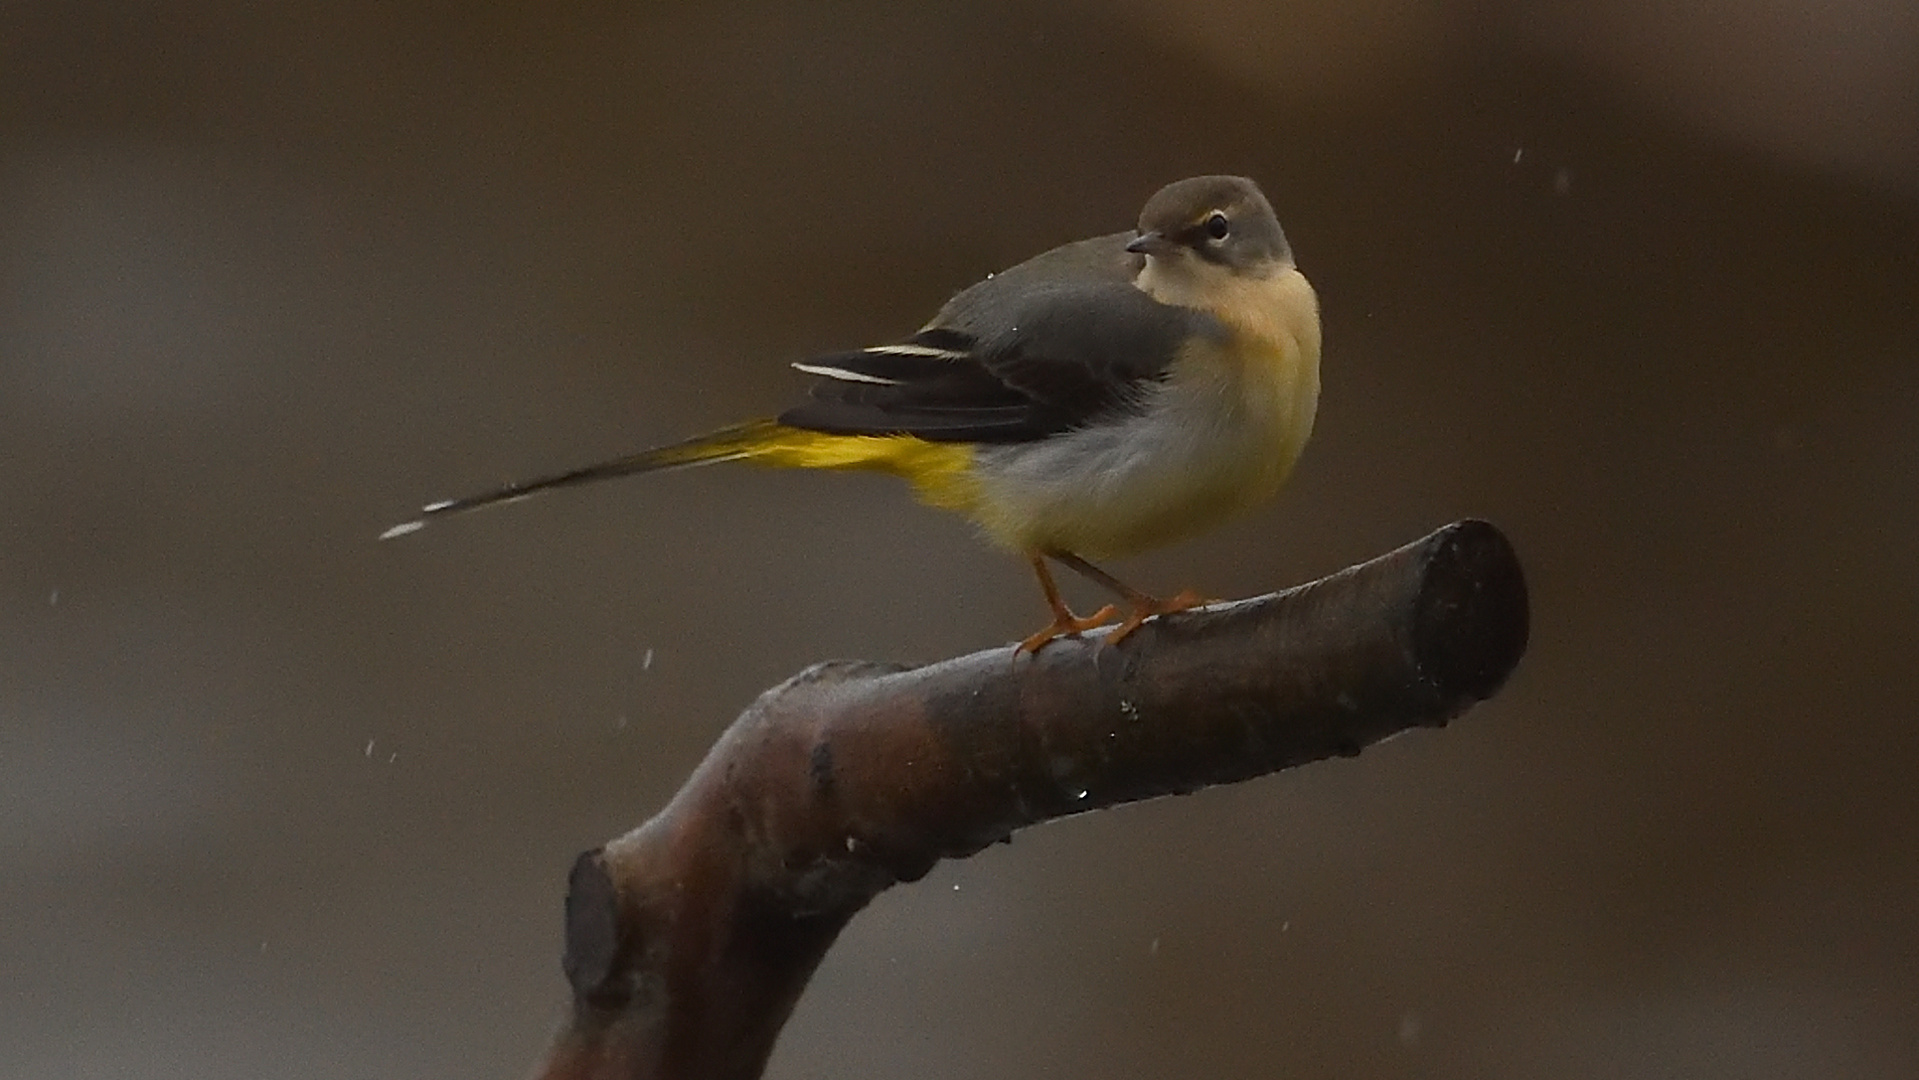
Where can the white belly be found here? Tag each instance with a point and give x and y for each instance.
(1207, 446)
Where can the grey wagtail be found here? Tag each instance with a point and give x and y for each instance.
(1105, 397)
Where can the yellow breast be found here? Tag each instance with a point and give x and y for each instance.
(1269, 367)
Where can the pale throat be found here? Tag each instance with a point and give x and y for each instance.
(1273, 306)
(1188, 281)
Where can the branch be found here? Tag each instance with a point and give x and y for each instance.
(689, 940)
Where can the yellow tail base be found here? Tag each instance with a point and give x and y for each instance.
(941, 473)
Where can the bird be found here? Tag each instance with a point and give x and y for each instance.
(1103, 398)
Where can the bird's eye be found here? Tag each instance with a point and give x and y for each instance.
(1217, 226)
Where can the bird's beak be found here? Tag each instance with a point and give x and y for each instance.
(1148, 243)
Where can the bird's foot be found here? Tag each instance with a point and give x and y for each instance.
(1146, 607)
(1066, 624)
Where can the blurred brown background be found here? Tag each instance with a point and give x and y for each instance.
(280, 801)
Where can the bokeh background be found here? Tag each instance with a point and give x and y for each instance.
(1637, 281)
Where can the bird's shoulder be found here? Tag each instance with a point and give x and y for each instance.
(1099, 260)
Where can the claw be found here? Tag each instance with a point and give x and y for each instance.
(1066, 624)
(1146, 607)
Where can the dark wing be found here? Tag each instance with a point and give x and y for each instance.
(1021, 364)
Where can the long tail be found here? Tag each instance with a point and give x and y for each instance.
(937, 470)
(727, 444)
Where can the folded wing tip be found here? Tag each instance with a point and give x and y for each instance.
(843, 374)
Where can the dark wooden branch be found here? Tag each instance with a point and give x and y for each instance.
(689, 939)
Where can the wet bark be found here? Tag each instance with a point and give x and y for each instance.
(690, 939)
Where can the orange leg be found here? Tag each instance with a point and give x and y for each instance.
(1143, 606)
(1064, 623)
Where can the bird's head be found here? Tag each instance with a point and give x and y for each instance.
(1222, 221)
